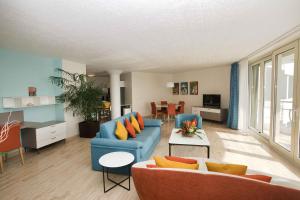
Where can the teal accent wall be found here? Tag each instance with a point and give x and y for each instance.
(20, 70)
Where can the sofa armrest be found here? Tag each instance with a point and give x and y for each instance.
(112, 143)
(152, 122)
(98, 135)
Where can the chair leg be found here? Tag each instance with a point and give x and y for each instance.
(1, 164)
(21, 154)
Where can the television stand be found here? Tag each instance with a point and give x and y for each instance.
(214, 114)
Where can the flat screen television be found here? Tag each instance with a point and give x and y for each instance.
(212, 100)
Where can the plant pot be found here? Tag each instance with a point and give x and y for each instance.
(88, 129)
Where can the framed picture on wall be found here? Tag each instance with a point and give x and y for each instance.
(176, 89)
(184, 88)
(194, 88)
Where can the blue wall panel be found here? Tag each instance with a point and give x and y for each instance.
(18, 71)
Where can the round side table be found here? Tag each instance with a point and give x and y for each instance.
(116, 160)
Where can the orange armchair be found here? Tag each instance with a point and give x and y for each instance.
(12, 142)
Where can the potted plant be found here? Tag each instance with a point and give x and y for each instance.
(82, 98)
(188, 129)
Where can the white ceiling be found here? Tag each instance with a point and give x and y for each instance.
(151, 35)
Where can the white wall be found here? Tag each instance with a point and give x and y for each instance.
(214, 80)
(148, 87)
(72, 121)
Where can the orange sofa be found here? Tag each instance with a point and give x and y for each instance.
(173, 184)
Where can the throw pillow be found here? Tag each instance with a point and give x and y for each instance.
(226, 168)
(130, 128)
(135, 124)
(182, 160)
(140, 120)
(164, 163)
(121, 131)
(151, 166)
(259, 177)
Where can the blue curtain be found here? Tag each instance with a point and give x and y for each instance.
(232, 120)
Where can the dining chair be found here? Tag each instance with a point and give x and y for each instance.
(164, 110)
(154, 111)
(12, 142)
(180, 109)
(171, 111)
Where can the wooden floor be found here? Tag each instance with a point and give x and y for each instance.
(63, 170)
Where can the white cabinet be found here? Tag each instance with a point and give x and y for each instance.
(43, 134)
(22, 102)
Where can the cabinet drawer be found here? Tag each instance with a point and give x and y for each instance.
(50, 134)
(43, 133)
(45, 142)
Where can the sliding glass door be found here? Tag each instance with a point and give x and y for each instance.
(284, 98)
(260, 97)
(275, 99)
(255, 82)
(267, 96)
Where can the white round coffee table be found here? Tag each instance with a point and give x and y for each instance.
(116, 160)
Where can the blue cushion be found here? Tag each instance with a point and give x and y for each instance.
(152, 122)
(146, 138)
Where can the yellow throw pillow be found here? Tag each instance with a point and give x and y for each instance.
(226, 168)
(135, 124)
(164, 163)
(121, 131)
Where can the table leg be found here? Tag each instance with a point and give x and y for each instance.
(116, 183)
(103, 177)
(129, 174)
(170, 150)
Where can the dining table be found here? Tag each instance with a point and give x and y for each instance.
(165, 105)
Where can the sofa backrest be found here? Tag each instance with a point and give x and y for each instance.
(171, 184)
(107, 129)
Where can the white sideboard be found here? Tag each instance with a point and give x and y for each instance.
(38, 135)
(213, 114)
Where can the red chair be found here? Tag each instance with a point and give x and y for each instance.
(171, 111)
(12, 142)
(180, 109)
(154, 111)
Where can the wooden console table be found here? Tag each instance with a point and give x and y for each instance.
(214, 114)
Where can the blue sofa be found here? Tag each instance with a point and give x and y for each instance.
(179, 119)
(141, 147)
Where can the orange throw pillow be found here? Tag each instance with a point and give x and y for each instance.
(263, 178)
(164, 163)
(226, 168)
(140, 120)
(130, 128)
(182, 160)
